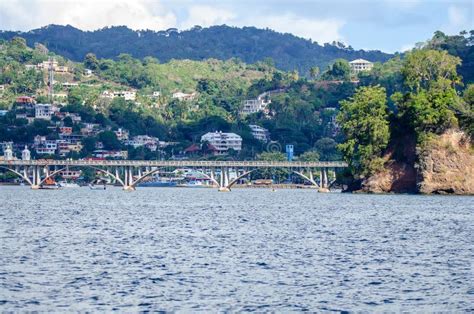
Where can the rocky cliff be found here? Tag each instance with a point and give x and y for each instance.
(446, 165)
(442, 165)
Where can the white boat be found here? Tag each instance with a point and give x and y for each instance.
(65, 184)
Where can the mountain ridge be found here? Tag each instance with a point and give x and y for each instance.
(249, 44)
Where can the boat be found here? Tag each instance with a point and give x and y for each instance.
(65, 184)
(50, 184)
(158, 183)
(193, 184)
(98, 185)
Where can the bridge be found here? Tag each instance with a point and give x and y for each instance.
(129, 173)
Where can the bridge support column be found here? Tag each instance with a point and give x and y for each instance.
(224, 180)
(323, 186)
(128, 179)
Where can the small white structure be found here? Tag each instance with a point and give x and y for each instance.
(26, 154)
(260, 133)
(156, 94)
(149, 142)
(127, 94)
(8, 152)
(222, 142)
(122, 134)
(360, 65)
(183, 96)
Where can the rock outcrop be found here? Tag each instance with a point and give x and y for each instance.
(397, 177)
(446, 165)
(443, 165)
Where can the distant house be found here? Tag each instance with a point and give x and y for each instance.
(25, 100)
(115, 154)
(149, 142)
(44, 111)
(87, 72)
(260, 133)
(156, 94)
(183, 96)
(223, 142)
(360, 65)
(127, 95)
(122, 134)
(256, 105)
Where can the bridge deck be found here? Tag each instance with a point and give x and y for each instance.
(175, 163)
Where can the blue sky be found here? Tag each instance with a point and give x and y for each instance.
(388, 25)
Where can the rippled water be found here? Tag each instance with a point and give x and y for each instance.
(251, 249)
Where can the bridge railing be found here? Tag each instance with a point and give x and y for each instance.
(176, 163)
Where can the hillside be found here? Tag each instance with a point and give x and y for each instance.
(220, 42)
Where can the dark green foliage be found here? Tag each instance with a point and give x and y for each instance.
(249, 44)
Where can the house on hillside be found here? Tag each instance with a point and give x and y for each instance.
(183, 96)
(223, 142)
(260, 133)
(360, 65)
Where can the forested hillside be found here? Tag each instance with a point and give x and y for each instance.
(220, 42)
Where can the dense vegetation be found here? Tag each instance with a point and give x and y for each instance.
(407, 97)
(428, 103)
(248, 44)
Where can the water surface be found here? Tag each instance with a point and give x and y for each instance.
(251, 249)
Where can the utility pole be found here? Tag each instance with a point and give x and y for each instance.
(50, 79)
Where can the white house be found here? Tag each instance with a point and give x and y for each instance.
(127, 94)
(255, 105)
(360, 65)
(260, 133)
(184, 96)
(222, 142)
(149, 142)
(44, 111)
(122, 134)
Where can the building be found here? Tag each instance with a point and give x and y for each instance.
(25, 100)
(360, 65)
(127, 95)
(114, 154)
(44, 111)
(65, 130)
(183, 96)
(122, 134)
(45, 146)
(223, 142)
(25, 154)
(156, 94)
(149, 142)
(3, 113)
(255, 105)
(87, 72)
(260, 133)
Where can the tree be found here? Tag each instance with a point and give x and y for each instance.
(340, 70)
(109, 139)
(91, 62)
(364, 122)
(314, 72)
(422, 68)
(309, 156)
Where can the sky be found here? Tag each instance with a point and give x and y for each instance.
(387, 25)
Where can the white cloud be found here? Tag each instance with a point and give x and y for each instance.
(458, 19)
(150, 14)
(205, 16)
(407, 47)
(320, 30)
(85, 14)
